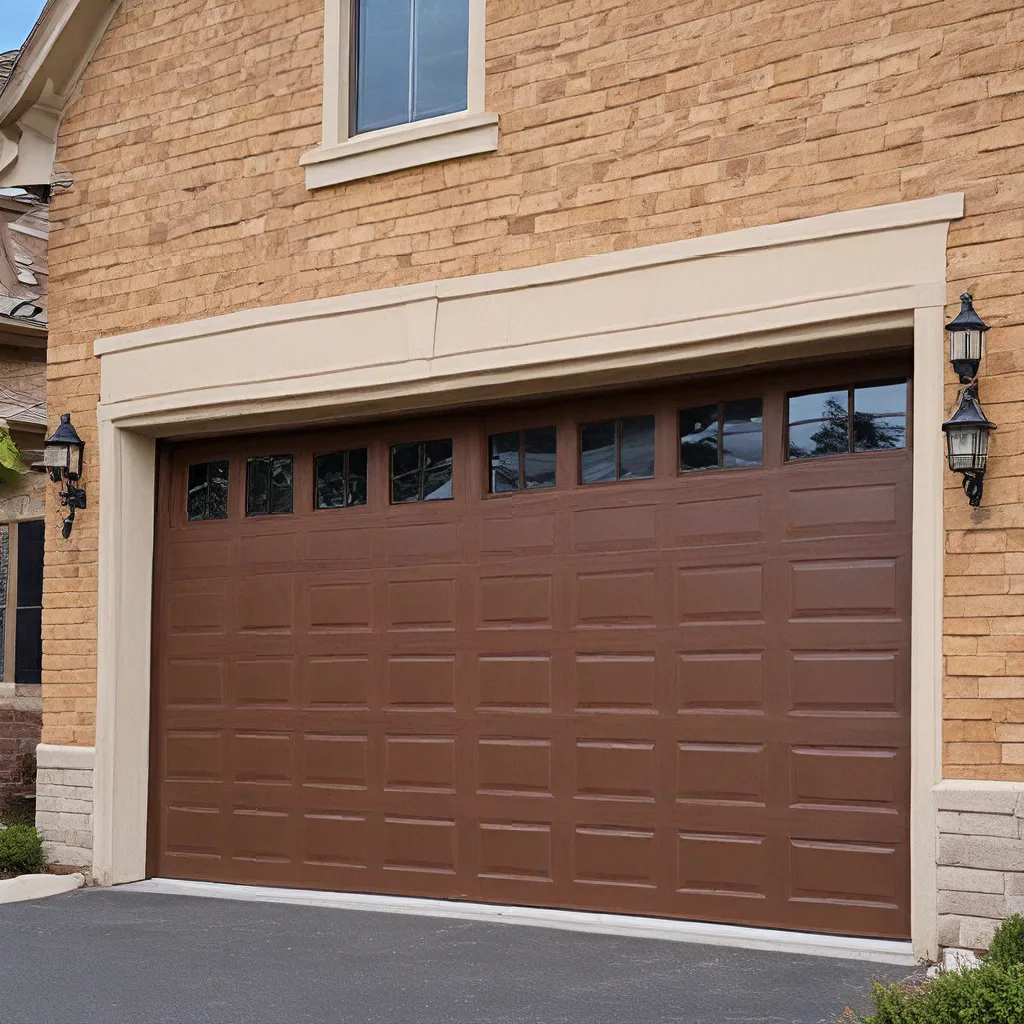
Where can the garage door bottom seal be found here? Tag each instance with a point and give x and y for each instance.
(813, 944)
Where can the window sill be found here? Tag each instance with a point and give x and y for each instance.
(395, 149)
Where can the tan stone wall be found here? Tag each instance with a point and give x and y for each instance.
(622, 124)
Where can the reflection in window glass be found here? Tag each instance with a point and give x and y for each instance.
(540, 453)
(742, 433)
(208, 491)
(412, 60)
(636, 451)
(880, 417)
(504, 462)
(597, 452)
(698, 438)
(617, 450)
(724, 436)
(421, 471)
(859, 419)
(268, 485)
(522, 458)
(341, 479)
(818, 424)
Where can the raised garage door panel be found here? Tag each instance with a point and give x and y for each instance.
(685, 696)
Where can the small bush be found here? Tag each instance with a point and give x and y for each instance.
(21, 849)
(992, 994)
(1007, 946)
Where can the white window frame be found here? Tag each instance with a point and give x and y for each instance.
(345, 156)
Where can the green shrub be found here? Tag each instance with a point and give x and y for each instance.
(1007, 946)
(21, 849)
(992, 994)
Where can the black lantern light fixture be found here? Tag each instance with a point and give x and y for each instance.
(62, 457)
(968, 428)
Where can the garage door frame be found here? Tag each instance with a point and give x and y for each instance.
(832, 284)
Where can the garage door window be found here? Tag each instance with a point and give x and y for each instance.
(866, 418)
(617, 450)
(728, 435)
(421, 471)
(208, 491)
(268, 485)
(522, 458)
(341, 479)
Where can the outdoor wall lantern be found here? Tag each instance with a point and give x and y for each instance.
(968, 428)
(62, 456)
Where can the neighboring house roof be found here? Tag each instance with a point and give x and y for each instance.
(7, 62)
(24, 270)
(20, 409)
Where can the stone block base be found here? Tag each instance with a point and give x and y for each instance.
(980, 859)
(64, 803)
(21, 719)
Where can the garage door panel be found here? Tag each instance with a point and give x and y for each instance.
(846, 682)
(684, 696)
(336, 682)
(717, 521)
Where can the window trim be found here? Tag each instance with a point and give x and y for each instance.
(344, 156)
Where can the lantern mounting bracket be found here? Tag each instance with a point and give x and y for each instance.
(974, 486)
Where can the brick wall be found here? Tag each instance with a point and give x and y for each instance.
(622, 124)
(20, 722)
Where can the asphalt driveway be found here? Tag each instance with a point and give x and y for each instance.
(105, 957)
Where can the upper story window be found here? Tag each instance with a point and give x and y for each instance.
(869, 418)
(403, 87)
(411, 60)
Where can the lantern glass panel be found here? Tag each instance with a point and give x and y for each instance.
(965, 345)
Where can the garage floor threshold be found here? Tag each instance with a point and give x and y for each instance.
(844, 947)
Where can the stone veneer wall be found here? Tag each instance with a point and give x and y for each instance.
(64, 804)
(981, 859)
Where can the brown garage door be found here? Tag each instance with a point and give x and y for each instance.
(617, 683)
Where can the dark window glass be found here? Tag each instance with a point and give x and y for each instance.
(723, 436)
(522, 458)
(28, 621)
(617, 450)
(859, 419)
(421, 471)
(540, 453)
(341, 479)
(208, 491)
(698, 438)
(819, 424)
(504, 462)
(880, 417)
(742, 433)
(269, 485)
(636, 449)
(357, 473)
(412, 60)
(597, 452)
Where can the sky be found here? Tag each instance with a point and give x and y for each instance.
(16, 20)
